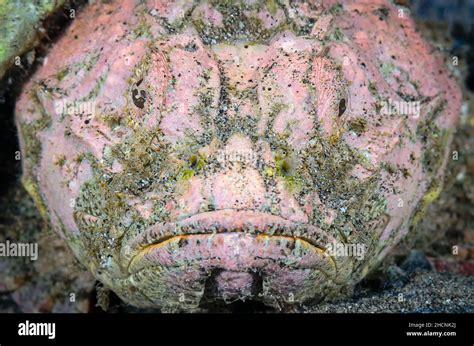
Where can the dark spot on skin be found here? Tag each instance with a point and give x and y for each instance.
(382, 12)
(191, 47)
(342, 107)
(182, 242)
(86, 121)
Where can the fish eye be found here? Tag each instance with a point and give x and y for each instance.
(342, 107)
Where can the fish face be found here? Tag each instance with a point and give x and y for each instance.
(214, 151)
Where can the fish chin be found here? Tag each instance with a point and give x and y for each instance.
(184, 270)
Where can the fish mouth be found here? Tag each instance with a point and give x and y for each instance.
(235, 240)
(230, 255)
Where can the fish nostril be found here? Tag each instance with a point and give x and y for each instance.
(191, 164)
(285, 167)
(193, 161)
(283, 163)
(196, 161)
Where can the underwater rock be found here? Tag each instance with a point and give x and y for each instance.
(19, 28)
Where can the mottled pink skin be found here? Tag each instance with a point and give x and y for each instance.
(239, 194)
(424, 66)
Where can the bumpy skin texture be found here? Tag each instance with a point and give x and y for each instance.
(231, 143)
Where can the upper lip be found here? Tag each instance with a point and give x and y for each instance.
(222, 221)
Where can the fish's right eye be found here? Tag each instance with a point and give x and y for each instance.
(342, 107)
